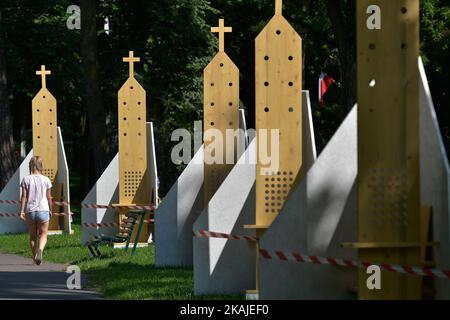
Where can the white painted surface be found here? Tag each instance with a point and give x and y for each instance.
(63, 178)
(217, 270)
(176, 215)
(319, 214)
(224, 266)
(151, 162)
(12, 191)
(106, 192)
(178, 211)
(435, 181)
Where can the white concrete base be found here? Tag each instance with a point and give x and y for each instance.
(435, 181)
(176, 215)
(63, 178)
(224, 266)
(312, 221)
(321, 214)
(106, 192)
(12, 192)
(178, 211)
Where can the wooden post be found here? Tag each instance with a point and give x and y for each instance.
(45, 140)
(388, 143)
(278, 107)
(221, 112)
(133, 185)
(278, 91)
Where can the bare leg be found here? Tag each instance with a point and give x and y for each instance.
(43, 231)
(32, 230)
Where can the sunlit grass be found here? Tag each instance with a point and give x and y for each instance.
(116, 275)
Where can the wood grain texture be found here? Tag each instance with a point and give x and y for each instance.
(45, 138)
(278, 59)
(388, 143)
(133, 185)
(220, 112)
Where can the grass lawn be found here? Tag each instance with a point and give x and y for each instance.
(117, 275)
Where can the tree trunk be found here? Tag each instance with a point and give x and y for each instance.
(342, 16)
(99, 146)
(8, 160)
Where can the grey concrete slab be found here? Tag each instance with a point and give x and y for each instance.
(319, 214)
(63, 178)
(224, 266)
(106, 192)
(12, 192)
(216, 269)
(435, 181)
(21, 279)
(179, 210)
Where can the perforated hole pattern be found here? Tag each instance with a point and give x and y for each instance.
(50, 173)
(388, 196)
(132, 182)
(276, 189)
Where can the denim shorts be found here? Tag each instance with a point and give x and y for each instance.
(38, 216)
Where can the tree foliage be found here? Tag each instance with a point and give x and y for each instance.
(173, 39)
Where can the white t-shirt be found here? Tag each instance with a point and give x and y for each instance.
(36, 186)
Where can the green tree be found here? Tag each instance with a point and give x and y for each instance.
(7, 152)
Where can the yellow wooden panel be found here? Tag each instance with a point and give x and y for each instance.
(45, 143)
(133, 186)
(278, 106)
(388, 143)
(45, 139)
(221, 112)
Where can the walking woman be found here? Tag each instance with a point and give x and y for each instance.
(35, 206)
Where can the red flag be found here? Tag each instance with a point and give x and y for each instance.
(325, 81)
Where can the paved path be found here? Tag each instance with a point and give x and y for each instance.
(20, 278)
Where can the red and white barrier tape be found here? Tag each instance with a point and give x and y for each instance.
(110, 224)
(58, 203)
(101, 206)
(99, 225)
(8, 215)
(88, 206)
(12, 215)
(297, 257)
(211, 234)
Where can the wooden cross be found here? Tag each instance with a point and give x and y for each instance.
(131, 60)
(278, 7)
(221, 30)
(43, 73)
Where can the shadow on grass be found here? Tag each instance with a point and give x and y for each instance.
(133, 281)
(116, 275)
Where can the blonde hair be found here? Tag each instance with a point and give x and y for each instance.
(36, 163)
